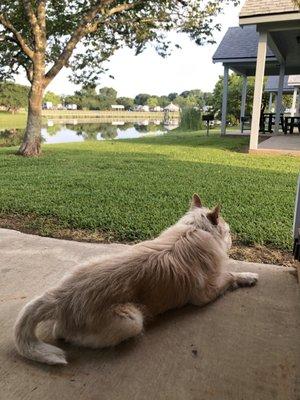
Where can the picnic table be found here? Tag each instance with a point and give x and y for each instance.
(269, 120)
(287, 123)
(290, 123)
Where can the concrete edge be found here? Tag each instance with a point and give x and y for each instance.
(14, 233)
(275, 152)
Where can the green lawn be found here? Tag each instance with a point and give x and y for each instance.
(132, 189)
(13, 121)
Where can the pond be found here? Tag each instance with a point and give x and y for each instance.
(74, 131)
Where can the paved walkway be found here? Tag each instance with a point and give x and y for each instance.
(284, 144)
(245, 346)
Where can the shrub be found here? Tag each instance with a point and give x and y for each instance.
(191, 119)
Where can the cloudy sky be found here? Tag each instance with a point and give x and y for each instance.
(187, 68)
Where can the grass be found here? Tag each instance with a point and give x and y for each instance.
(13, 121)
(132, 189)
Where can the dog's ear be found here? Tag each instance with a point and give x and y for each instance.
(196, 201)
(214, 215)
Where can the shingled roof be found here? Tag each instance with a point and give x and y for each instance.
(267, 7)
(239, 43)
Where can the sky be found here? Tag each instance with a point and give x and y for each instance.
(190, 67)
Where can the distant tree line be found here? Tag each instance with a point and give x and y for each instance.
(92, 99)
(14, 97)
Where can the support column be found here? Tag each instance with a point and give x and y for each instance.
(244, 97)
(258, 88)
(294, 103)
(224, 102)
(279, 99)
(270, 102)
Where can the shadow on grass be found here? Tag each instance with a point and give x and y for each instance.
(197, 139)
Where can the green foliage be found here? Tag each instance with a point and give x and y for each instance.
(127, 102)
(172, 96)
(13, 96)
(235, 84)
(132, 189)
(191, 119)
(207, 98)
(152, 101)
(73, 99)
(141, 99)
(189, 99)
(107, 96)
(53, 98)
(88, 98)
(163, 101)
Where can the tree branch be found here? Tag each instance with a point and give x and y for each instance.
(19, 38)
(32, 18)
(41, 15)
(84, 28)
(123, 7)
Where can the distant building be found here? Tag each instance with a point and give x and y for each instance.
(158, 109)
(72, 107)
(142, 108)
(117, 107)
(172, 108)
(48, 105)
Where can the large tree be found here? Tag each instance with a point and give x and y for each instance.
(42, 37)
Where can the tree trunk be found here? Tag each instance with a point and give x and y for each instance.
(31, 145)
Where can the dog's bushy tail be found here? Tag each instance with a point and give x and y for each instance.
(28, 345)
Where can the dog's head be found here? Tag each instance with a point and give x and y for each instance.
(208, 220)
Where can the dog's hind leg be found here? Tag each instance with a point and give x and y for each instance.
(58, 331)
(122, 322)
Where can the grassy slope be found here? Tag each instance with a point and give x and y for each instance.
(133, 189)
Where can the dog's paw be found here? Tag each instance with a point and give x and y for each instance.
(247, 279)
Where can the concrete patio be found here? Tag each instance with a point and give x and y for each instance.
(280, 144)
(244, 346)
(276, 144)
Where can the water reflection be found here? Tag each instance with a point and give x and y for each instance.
(72, 131)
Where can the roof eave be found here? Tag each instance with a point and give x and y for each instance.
(262, 19)
(239, 60)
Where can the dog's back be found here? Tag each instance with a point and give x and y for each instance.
(160, 274)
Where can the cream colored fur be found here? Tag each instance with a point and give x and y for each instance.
(103, 303)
